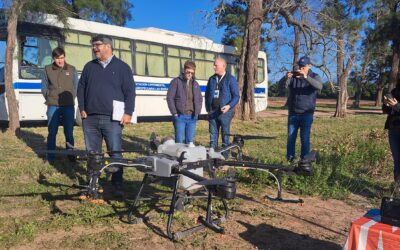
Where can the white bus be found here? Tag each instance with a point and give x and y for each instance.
(155, 56)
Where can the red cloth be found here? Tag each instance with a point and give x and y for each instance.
(369, 234)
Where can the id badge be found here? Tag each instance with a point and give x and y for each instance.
(216, 93)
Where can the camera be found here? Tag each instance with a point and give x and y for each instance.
(388, 96)
(297, 73)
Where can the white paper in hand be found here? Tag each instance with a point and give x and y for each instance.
(119, 110)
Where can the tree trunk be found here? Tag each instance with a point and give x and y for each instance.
(249, 59)
(342, 76)
(342, 97)
(12, 104)
(394, 71)
(296, 55)
(357, 97)
(361, 80)
(379, 96)
(296, 47)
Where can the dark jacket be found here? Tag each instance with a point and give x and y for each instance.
(99, 86)
(393, 118)
(302, 94)
(59, 85)
(228, 94)
(176, 96)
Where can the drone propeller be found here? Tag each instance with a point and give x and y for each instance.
(154, 143)
(63, 152)
(252, 137)
(213, 182)
(82, 153)
(126, 151)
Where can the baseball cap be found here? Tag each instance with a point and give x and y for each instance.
(304, 61)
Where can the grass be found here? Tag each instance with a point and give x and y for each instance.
(35, 201)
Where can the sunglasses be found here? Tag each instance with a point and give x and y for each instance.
(97, 44)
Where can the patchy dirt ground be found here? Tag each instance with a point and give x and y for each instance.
(254, 223)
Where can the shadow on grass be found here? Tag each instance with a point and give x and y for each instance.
(74, 170)
(339, 177)
(265, 236)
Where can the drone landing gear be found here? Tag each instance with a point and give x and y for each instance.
(279, 197)
(207, 222)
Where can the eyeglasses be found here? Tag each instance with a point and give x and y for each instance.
(189, 72)
(97, 44)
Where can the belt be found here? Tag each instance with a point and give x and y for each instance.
(188, 112)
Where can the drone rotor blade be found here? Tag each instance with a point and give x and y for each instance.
(252, 137)
(63, 152)
(125, 151)
(213, 182)
(154, 143)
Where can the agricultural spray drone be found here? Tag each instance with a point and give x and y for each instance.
(184, 166)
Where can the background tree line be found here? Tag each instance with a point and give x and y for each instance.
(355, 43)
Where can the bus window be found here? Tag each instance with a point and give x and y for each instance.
(176, 58)
(204, 64)
(122, 49)
(231, 61)
(36, 54)
(78, 49)
(260, 71)
(2, 62)
(3, 109)
(149, 59)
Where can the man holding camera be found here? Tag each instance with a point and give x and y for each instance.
(303, 85)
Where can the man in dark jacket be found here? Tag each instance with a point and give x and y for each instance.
(221, 97)
(59, 84)
(184, 102)
(391, 107)
(303, 85)
(103, 81)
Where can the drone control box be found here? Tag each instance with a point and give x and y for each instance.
(163, 166)
(190, 153)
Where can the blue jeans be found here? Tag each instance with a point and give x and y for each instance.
(185, 128)
(99, 127)
(304, 122)
(57, 115)
(218, 120)
(394, 142)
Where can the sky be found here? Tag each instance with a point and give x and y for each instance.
(176, 15)
(188, 16)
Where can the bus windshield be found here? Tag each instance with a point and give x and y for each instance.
(36, 54)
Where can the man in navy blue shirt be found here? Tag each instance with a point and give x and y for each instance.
(104, 80)
(221, 97)
(303, 85)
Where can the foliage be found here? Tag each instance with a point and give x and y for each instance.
(111, 11)
(233, 18)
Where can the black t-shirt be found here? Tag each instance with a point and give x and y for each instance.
(215, 102)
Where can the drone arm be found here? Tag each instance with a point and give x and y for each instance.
(128, 163)
(257, 165)
(229, 147)
(191, 175)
